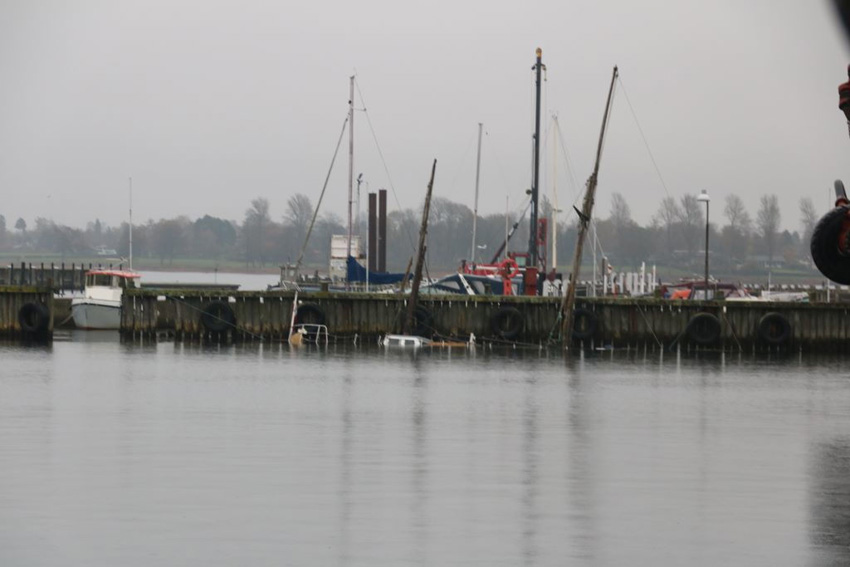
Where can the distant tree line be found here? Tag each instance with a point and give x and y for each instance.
(675, 236)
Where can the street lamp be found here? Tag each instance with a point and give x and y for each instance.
(705, 199)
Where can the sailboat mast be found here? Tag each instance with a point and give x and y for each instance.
(584, 219)
(131, 223)
(532, 233)
(350, 161)
(556, 210)
(475, 210)
(420, 256)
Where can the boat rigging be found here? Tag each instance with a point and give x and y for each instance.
(568, 304)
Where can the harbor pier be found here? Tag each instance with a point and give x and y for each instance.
(744, 326)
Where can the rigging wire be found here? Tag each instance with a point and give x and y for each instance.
(461, 163)
(601, 147)
(383, 161)
(492, 147)
(556, 131)
(608, 122)
(321, 196)
(567, 160)
(645, 143)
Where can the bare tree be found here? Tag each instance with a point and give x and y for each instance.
(734, 238)
(299, 212)
(808, 218)
(667, 216)
(690, 215)
(621, 214)
(255, 229)
(623, 227)
(768, 223)
(737, 215)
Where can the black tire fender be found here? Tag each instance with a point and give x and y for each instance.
(774, 329)
(33, 317)
(703, 329)
(507, 323)
(585, 324)
(826, 247)
(309, 314)
(218, 316)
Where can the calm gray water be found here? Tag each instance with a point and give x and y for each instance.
(115, 454)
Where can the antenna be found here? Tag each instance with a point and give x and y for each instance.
(131, 223)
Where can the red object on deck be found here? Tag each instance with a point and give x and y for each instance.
(530, 281)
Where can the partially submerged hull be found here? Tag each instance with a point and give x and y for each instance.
(93, 314)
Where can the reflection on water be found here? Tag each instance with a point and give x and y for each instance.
(830, 502)
(184, 454)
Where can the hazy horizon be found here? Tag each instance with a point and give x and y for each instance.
(208, 105)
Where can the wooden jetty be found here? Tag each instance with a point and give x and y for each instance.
(199, 315)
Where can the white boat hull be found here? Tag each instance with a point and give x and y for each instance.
(92, 314)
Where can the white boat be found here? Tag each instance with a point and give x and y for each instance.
(405, 341)
(100, 306)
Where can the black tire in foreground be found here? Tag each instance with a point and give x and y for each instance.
(825, 246)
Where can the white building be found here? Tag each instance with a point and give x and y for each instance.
(339, 251)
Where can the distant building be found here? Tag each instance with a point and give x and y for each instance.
(104, 251)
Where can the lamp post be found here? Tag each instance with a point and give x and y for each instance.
(705, 199)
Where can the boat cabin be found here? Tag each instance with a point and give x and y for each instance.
(120, 279)
(469, 284)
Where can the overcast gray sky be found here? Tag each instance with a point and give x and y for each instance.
(209, 104)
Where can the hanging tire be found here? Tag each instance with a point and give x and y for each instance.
(309, 314)
(774, 329)
(423, 322)
(507, 323)
(33, 317)
(217, 317)
(703, 329)
(585, 324)
(826, 246)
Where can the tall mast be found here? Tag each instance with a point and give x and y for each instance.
(584, 219)
(131, 223)
(532, 236)
(350, 161)
(555, 210)
(420, 256)
(475, 210)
